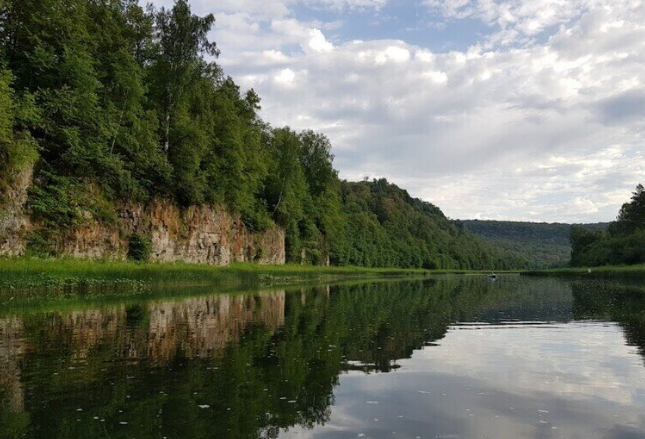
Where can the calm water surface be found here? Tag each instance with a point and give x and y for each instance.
(457, 357)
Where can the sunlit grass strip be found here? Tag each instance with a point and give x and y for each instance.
(31, 273)
(622, 271)
(20, 274)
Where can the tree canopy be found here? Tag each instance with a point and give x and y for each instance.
(624, 242)
(112, 103)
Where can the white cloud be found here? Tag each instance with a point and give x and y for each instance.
(455, 127)
(318, 42)
(520, 17)
(285, 76)
(270, 9)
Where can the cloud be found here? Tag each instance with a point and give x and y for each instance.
(520, 17)
(554, 78)
(628, 106)
(268, 9)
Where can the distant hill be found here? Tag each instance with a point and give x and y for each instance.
(385, 227)
(537, 245)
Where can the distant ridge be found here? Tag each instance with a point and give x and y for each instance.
(536, 245)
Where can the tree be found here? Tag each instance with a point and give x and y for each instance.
(17, 148)
(632, 214)
(581, 240)
(181, 40)
(285, 188)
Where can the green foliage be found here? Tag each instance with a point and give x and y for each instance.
(58, 201)
(623, 244)
(41, 277)
(530, 245)
(386, 227)
(17, 148)
(632, 214)
(63, 203)
(41, 244)
(139, 247)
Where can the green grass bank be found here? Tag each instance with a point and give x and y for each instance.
(30, 273)
(35, 281)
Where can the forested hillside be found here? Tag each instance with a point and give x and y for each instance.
(532, 245)
(622, 244)
(385, 226)
(110, 103)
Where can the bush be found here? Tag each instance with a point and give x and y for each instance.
(139, 247)
(42, 244)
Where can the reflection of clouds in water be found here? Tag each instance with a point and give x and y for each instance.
(581, 360)
(553, 381)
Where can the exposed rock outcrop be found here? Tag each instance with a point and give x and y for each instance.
(197, 234)
(14, 220)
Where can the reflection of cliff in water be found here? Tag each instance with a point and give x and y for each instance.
(204, 327)
(156, 332)
(259, 362)
(162, 331)
(12, 348)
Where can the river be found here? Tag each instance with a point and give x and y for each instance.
(445, 357)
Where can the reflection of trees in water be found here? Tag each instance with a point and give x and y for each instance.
(260, 362)
(622, 302)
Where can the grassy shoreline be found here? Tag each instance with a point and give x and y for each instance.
(29, 273)
(26, 276)
(606, 272)
(57, 301)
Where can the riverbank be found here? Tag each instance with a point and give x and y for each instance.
(606, 272)
(34, 279)
(31, 273)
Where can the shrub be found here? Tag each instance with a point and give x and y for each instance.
(139, 247)
(42, 244)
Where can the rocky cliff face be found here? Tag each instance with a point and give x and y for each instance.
(14, 221)
(198, 234)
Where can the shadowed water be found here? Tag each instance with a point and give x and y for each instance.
(452, 357)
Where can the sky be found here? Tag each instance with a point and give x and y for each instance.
(491, 109)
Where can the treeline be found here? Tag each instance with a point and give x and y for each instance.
(622, 244)
(530, 245)
(114, 103)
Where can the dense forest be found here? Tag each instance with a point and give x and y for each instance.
(622, 244)
(384, 226)
(111, 103)
(530, 245)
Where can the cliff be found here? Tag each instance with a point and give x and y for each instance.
(14, 221)
(197, 234)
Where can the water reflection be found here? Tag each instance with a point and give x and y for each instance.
(454, 357)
